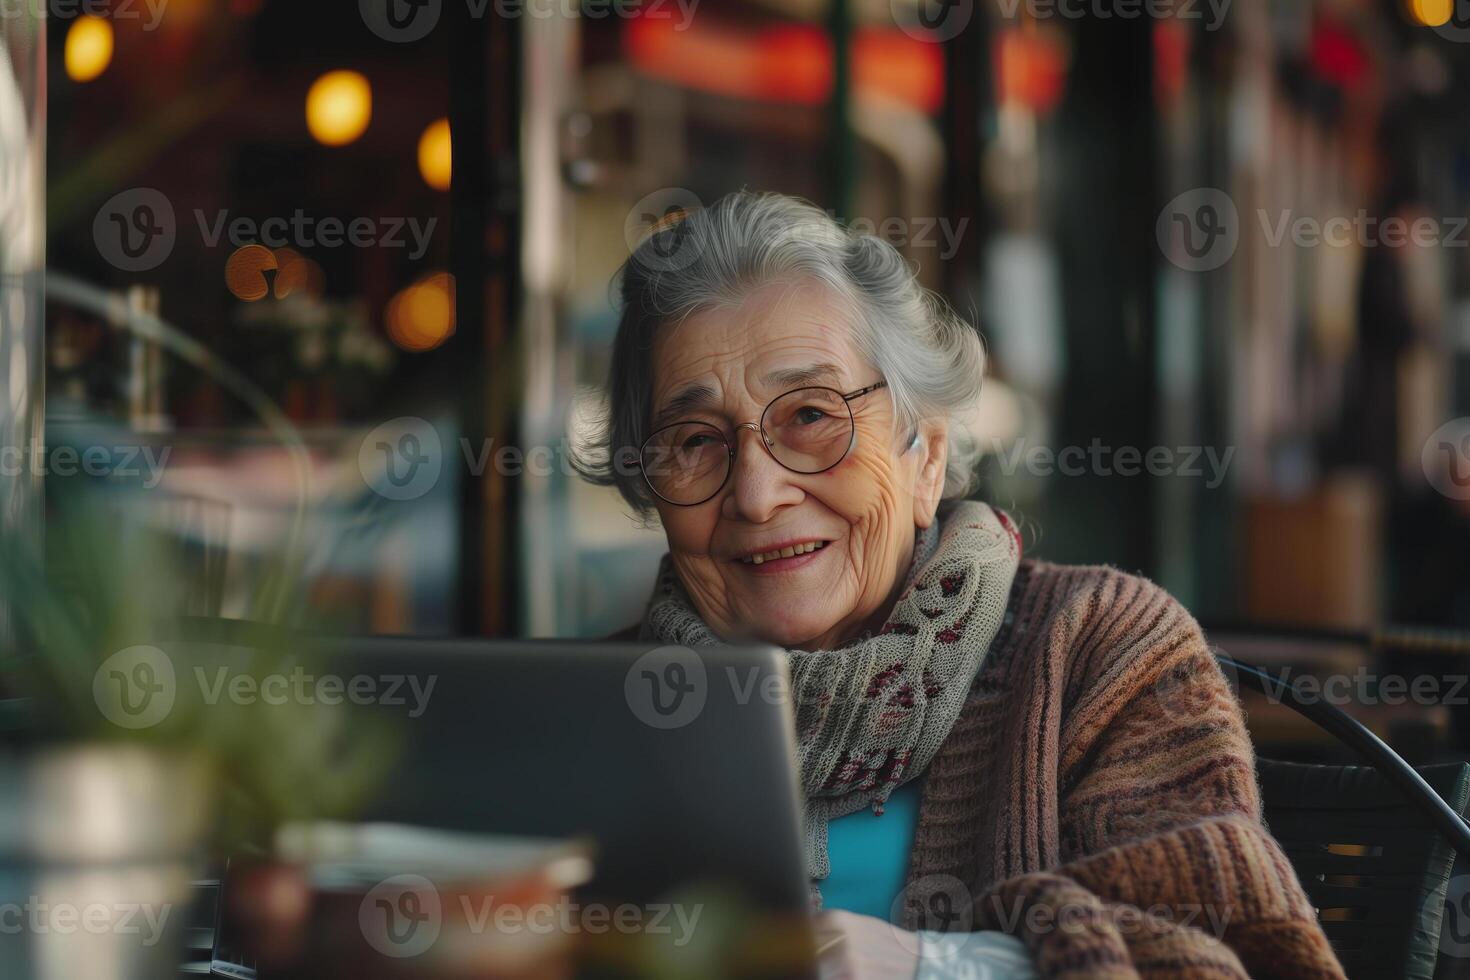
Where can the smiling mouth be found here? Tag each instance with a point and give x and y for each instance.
(788, 551)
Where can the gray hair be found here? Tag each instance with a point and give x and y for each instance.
(932, 359)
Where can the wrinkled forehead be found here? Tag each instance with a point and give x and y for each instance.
(757, 347)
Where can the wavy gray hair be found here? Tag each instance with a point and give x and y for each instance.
(932, 359)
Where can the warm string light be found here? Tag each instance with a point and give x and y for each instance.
(435, 156)
(254, 272)
(339, 106)
(88, 49)
(421, 316)
(245, 272)
(298, 274)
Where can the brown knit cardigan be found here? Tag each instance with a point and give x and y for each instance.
(1097, 797)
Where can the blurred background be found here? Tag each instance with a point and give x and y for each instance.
(1217, 250)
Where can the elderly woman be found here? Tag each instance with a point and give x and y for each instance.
(1009, 765)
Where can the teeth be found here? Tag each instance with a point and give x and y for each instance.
(789, 551)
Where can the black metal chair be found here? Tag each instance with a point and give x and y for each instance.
(1374, 846)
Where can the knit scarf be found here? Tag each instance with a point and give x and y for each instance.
(871, 714)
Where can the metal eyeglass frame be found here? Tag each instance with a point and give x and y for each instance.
(760, 429)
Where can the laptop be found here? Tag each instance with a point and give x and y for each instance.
(676, 765)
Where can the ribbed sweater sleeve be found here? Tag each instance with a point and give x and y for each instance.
(1098, 797)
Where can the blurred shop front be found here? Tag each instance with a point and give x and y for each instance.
(1212, 360)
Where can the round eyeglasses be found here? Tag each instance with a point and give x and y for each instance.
(806, 430)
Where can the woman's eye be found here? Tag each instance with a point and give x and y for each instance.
(809, 415)
(697, 442)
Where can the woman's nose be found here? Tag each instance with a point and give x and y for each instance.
(759, 486)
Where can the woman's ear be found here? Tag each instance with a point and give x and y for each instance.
(932, 447)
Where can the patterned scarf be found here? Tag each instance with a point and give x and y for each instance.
(870, 715)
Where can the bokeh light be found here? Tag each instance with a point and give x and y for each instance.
(435, 156)
(298, 275)
(245, 272)
(88, 48)
(339, 106)
(421, 316)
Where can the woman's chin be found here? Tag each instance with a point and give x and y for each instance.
(791, 629)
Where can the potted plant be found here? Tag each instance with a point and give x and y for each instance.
(125, 769)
